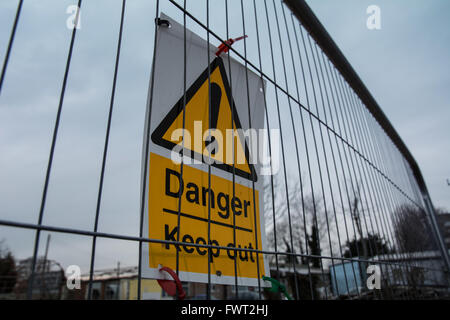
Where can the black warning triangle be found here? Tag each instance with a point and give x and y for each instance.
(199, 103)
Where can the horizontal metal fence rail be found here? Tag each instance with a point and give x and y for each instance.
(349, 193)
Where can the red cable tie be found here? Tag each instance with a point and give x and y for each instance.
(224, 48)
(170, 286)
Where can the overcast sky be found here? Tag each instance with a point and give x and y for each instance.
(404, 65)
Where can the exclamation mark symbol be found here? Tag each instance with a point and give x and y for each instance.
(216, 96)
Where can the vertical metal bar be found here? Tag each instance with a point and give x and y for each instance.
(232, 154)
(208, 288)
(395, 164)
(402, 169)
(398, 220)
(296, 148)
(358, 166)
(334, 162)
(352, 155)
(355, 211)
(105, 150)
(361, 164)
(391, 200)
(384, 200)
(429, 226)
(283, 156)
(52, 151)
(10, 43)
(407, 179)
(180, 189)
(427, 207)
(315, 144)
(376, 157)
(147, 125)
(323, 148)
(325, 155)
(307, 154)
(250, 126)
(269, 143)
(295, 137)
(304, 135)
(339, 106)
(442, 246)
(333, 157)
(385, 226)
(390, 289)
(374, 192)
(414, 190)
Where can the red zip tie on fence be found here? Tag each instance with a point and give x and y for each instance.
(224, 48)
(171, 287)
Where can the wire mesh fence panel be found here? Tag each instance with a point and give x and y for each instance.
(97, 98)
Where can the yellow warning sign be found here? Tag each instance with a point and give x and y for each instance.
(208, 105)
(200, 203)
(224, 208)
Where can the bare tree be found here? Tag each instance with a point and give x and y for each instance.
(304, 212)
(8, 272)
(412, 229)
(357, 216)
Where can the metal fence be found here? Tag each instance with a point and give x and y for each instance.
(348, 195)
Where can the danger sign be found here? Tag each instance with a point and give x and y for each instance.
(206, 127)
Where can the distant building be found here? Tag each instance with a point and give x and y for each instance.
(421, 271)
(48, 282)
(117, 284)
